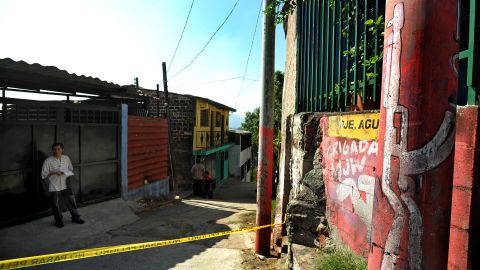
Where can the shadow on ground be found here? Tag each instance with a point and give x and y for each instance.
(193, 216)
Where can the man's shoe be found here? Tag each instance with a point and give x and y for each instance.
(59, 224)
(78, 220)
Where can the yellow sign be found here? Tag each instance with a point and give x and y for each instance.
(95, 252)
(362, 126)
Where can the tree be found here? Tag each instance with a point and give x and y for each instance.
(252, 120)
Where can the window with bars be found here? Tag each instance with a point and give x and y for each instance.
(204, 117)
(340, 47)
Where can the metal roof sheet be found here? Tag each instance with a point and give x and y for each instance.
(20, 74)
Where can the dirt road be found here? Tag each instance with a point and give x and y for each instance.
(192, 216)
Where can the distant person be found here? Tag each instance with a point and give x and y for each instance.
(209, 184)
(56, 169)
(198, 178)
(275, 181)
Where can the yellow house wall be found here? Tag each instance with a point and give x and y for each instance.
(198, 130)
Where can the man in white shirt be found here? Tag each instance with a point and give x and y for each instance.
(56, 169)
(198, 178)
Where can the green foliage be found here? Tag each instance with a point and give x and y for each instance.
(252, 119)
(251, 122)
(277, 140)
(281, 9)
(340, 259)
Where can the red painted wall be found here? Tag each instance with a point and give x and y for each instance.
(415, 161)
(348, 172)
(147, 150)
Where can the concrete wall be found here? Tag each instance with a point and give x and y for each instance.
(237, 159)
(157, 190)
(332, 179)
(349, 151)
(234, 156)
(245, 155)
(288, 109)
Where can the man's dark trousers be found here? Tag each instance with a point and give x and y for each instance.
(198, 187)
(68, 199)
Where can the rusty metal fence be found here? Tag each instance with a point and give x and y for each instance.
(147, 150)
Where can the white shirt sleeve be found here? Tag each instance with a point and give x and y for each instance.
(70, 166)
(45, 169)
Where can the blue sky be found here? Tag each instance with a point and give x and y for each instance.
(117, 40)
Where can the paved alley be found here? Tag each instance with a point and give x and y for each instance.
(191, 216)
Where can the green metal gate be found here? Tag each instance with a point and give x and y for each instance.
(469, 52)
(340, 47)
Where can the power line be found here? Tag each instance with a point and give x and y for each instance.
(208, 42)
(181, 36)
(253, 81)
(245, 89)
(221, 80)
(251, 46)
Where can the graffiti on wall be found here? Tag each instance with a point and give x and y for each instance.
(408, 165)
(349, 148)
(363, 126)
(349, 164)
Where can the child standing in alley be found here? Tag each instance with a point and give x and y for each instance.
(209, 184)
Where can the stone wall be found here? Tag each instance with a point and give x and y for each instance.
(306, 207)
(332, 165)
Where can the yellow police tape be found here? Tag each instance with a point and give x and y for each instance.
(95, 252)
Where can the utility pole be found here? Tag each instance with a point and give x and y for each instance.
(265, 138)
(167, 111)
(158, 100)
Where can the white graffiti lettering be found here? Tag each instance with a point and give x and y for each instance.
(349, 188)
(410, 162)
(347, 161)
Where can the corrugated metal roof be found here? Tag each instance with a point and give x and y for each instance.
(220, 105)
(239, 131)
(20, 74)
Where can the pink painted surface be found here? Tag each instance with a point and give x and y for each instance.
(348, 172)
(465, 201)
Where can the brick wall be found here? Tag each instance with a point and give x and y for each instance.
(182, 121)
(465, 217)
